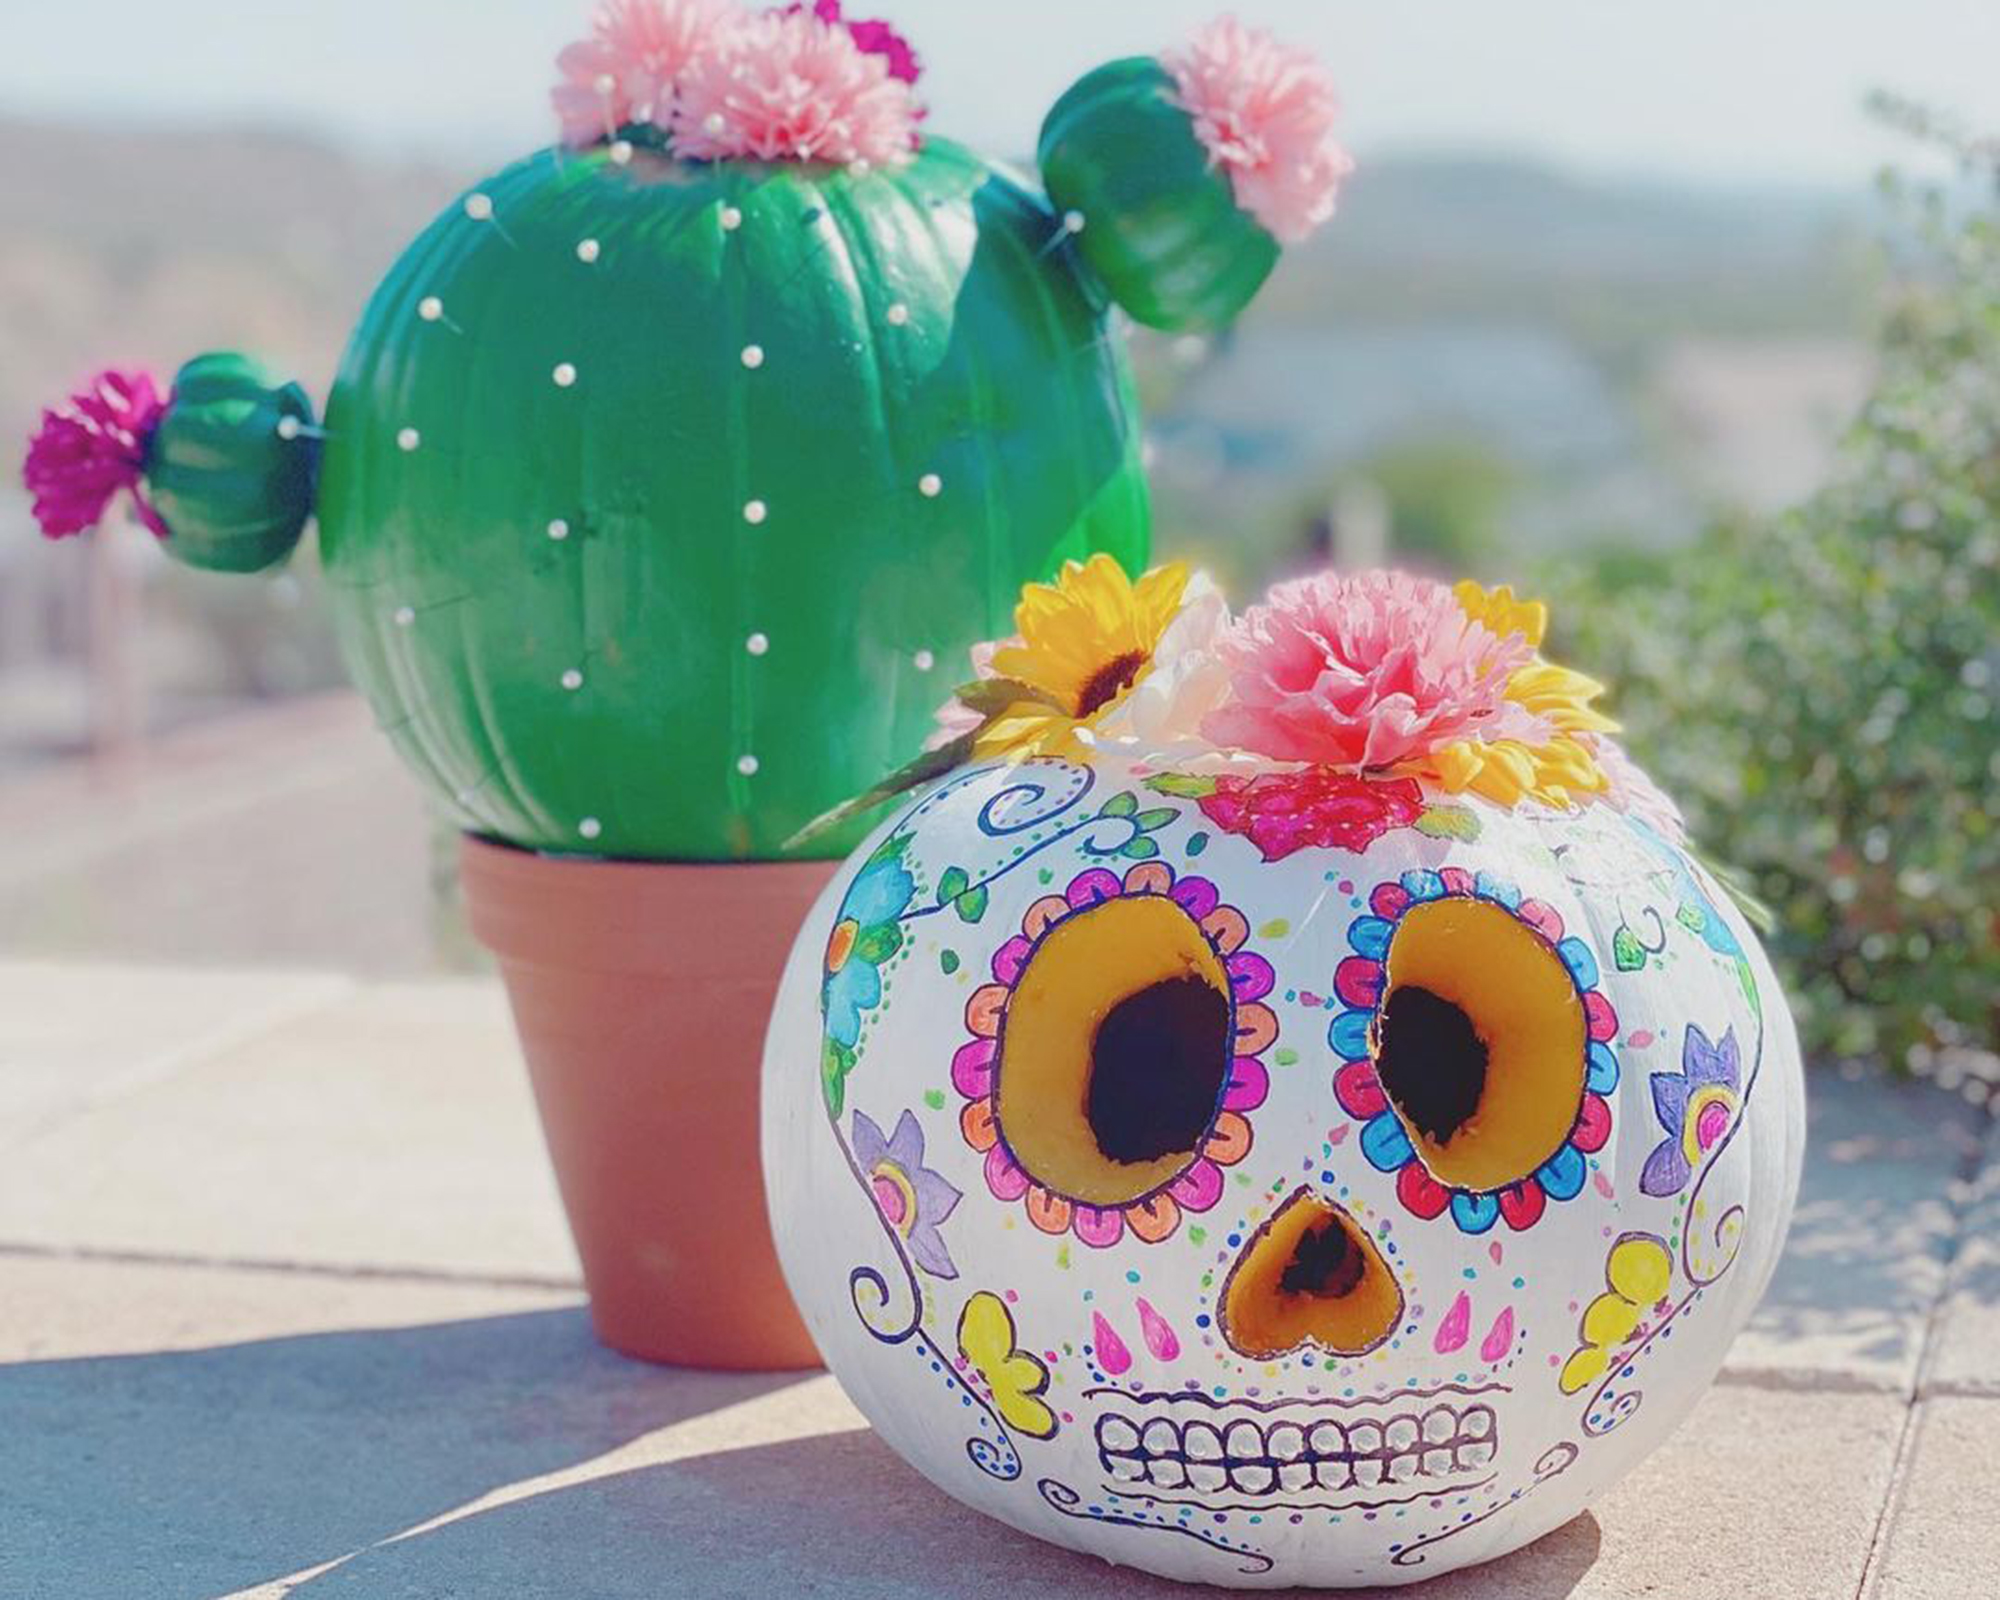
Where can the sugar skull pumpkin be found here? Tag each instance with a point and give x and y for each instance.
(1272, 1170)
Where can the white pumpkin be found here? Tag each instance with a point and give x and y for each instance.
(1337, 1202)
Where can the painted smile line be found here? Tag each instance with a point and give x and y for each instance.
(1429, 1446)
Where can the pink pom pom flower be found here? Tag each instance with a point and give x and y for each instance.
(1264, 111)
(627, 70)
(91, 447)
(1366, 670)
(876, 38)
(787, 86)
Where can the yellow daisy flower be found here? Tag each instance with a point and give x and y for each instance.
(1084, 641)
(1562, 772)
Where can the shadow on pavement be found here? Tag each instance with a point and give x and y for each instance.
(833, 1515)
(194, 1473)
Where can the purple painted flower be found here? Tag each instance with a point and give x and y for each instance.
(1696, 1106)
(912, 1199)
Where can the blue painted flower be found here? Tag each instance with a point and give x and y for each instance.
(866, 933)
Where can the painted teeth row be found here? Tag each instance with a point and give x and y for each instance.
(1288, 1457)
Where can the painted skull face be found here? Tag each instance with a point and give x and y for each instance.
(1320, 1188)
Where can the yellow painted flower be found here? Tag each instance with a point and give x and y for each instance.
(1084, 641)
(1561, 772)
(1016, 1379)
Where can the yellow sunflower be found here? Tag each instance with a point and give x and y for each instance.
(1561, 772)
(1084, 641)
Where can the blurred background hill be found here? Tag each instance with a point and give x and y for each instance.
(1506, 357)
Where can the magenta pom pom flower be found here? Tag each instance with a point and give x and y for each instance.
(89, 448)
(1264, 111)
(1365, 670)
(626, 71)
(788, 86)
(875, 37)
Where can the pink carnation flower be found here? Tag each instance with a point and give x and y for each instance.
(1264, 111)
(791, 87)
(1365, 670)
(626, 71)
(1635, 794)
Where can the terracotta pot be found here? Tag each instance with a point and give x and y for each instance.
(641, 992)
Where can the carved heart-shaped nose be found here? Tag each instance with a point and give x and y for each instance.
(1309, 1275)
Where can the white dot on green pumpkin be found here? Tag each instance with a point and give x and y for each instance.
(753, 356)
(757, 644)
(588, 250)
(558, 530)
(621, 151)
(747, 765)
(408, 439)
(755, 511)
(479, 207)
(1073, 222)
(430, 308)
(288, 427)
(930, 486)
(732, 219)
(405, 616)
(572, 680)
(899, 315)
(565, 374)
(590, 827)
(923, 661)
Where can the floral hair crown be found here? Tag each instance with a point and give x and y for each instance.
(1339, 706)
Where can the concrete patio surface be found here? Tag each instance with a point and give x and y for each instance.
(287, 1305)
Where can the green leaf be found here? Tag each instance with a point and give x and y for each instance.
(1122, 804)
(1141, 849)
(1449, 822)
(971, 905)
(1156, 818)
(948, 962)
(878, 943)
(931, 764)
(952, 883)
(1627, 954)
(836, 1061)
(989, 697)
(1187, 786)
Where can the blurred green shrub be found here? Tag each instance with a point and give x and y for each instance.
(1819, 691)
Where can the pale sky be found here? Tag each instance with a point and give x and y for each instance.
(1740, 92)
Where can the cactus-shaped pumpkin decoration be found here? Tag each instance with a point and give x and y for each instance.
(669, 468)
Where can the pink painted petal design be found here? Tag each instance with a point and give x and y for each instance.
(1250, 975)
(1197, 897)
(1360, 1091)
(1093, 887)
(1158, 1333)
(1593, 1125)
(1010, 958)
(1456, 880)
(972, 1068)
(1098, 1229)
(1199, 1187)
(1358, 981)
(1602, 1019)
(1456, 1327)
(1499, 1338)
(1004, 1175)
(1249, 1083)
(1109, 1349)
(1542, 917)
(1390, 900)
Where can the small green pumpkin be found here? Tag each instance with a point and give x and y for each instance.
(230, 469)
(1154, 218)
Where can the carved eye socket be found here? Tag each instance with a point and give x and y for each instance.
(1480, 1043)
(1115, 1051)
